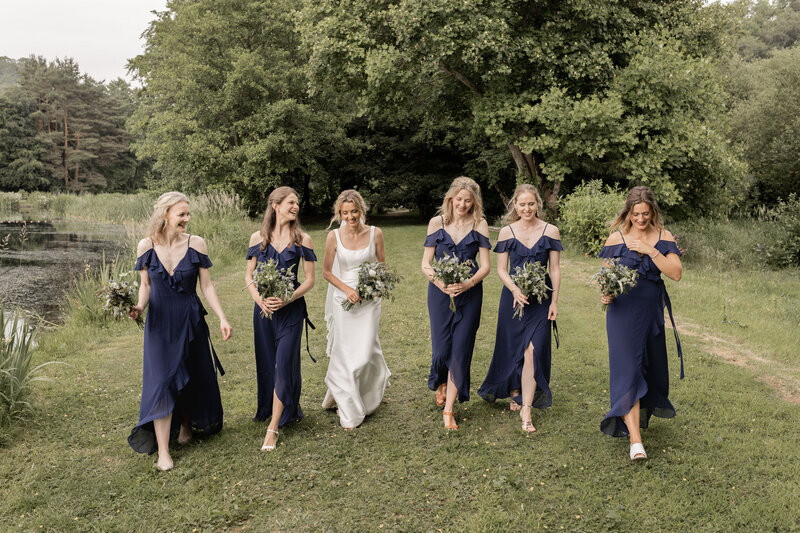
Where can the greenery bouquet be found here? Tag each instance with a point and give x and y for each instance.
(273, 282)
(375, 281)
(615, 280)
(119, 298)
(450, 270)
(531, 280)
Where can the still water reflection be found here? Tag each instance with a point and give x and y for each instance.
(39, 260)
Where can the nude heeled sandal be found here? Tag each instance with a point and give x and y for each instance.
(527, 425)
(266, 448)
(445, 414)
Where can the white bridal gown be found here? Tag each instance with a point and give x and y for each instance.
(357, 374)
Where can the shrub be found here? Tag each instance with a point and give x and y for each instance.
(17, 344)
(784, 250)
(585, 215)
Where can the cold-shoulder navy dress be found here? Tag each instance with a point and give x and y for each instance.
(637, 347)
(277, 341)
(453, 334)
(178, 375)
(515, 334)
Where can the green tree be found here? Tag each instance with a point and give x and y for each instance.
(21, 152)
(622, 90)
(225, 102)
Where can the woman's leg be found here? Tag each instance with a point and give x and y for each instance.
(632, 422)
(452, 393)
(162, 427)
(271, 438)
(528, 389)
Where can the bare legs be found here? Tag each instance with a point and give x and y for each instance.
(632, 422)
(161, 426)
(450, 400)
(185, 434)
(271, 438)
(528, 389)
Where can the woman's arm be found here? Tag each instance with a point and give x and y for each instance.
(483, 260)
(308, 271)
(554, 265)
(380, 252)
(210, 293)
(144, 283)
(252, 264)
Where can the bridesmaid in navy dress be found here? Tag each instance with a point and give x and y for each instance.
(637, 349)
(179, 381)
(460, 230)
(521, 360)
(277, 341)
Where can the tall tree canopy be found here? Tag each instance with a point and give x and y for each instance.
(623, 91)
(225, 102)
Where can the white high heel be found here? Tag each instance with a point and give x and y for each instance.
(637, 452)
(265, 448)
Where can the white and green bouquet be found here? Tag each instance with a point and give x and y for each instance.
(531, 280)
(119, 297)
(615, 279)
(450, 269)
(375, 281)
(273, 282)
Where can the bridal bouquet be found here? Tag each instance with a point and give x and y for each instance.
(273, 282)
(531, 281)
(616, 279)
(119, 297)
(375, 281)
(450, 270)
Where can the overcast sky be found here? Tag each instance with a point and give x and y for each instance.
(101, 35)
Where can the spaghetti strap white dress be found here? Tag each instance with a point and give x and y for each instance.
(357, 373)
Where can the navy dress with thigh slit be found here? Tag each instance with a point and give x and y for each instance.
(515, 334)
(453, 334)
(637, 348)
(179, 370)
(277, 341)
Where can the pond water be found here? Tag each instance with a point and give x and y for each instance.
(38, 261)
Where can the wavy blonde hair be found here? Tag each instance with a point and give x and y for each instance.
(270, 218)
(352, 196)
(459, 184)
(511, 214)
(638, 195)
(158, 220)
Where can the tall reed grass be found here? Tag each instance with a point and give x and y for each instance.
(17, 346)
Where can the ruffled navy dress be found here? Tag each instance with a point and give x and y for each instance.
(277, 341)
(637, 348)
(453, 334)
(515, 334)
(178, 374)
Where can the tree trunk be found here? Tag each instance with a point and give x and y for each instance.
(528, 172)
(66, 152)
(135, 175)
(77, 163)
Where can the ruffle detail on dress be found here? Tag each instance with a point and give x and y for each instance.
(288, 253)
(143, 261)
(544, 244)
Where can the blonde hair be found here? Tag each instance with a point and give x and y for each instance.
(511, 214)
(459, 184)
(158, 220)
(352, 196)
(638, 195)
(270, 218)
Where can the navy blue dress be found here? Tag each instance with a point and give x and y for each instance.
(637, 347)
(515, 334)
(453, 334)
(178, 375)
(277, 341)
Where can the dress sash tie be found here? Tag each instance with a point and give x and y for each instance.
(665, 301)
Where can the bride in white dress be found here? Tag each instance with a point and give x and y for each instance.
(357, 373)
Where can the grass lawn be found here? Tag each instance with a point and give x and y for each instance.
(727, 462)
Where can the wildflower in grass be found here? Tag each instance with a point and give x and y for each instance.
(450, 270)
(273, 282)
(119, 297)
(531, 280)
(375, 281)
(616, 279)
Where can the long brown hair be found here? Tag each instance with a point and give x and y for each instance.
(511, 214)
(270, 219)
(638, 195)
(355, 198)
(459, 184)
(158, 220)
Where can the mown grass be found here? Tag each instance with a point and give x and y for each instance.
(726, 463)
